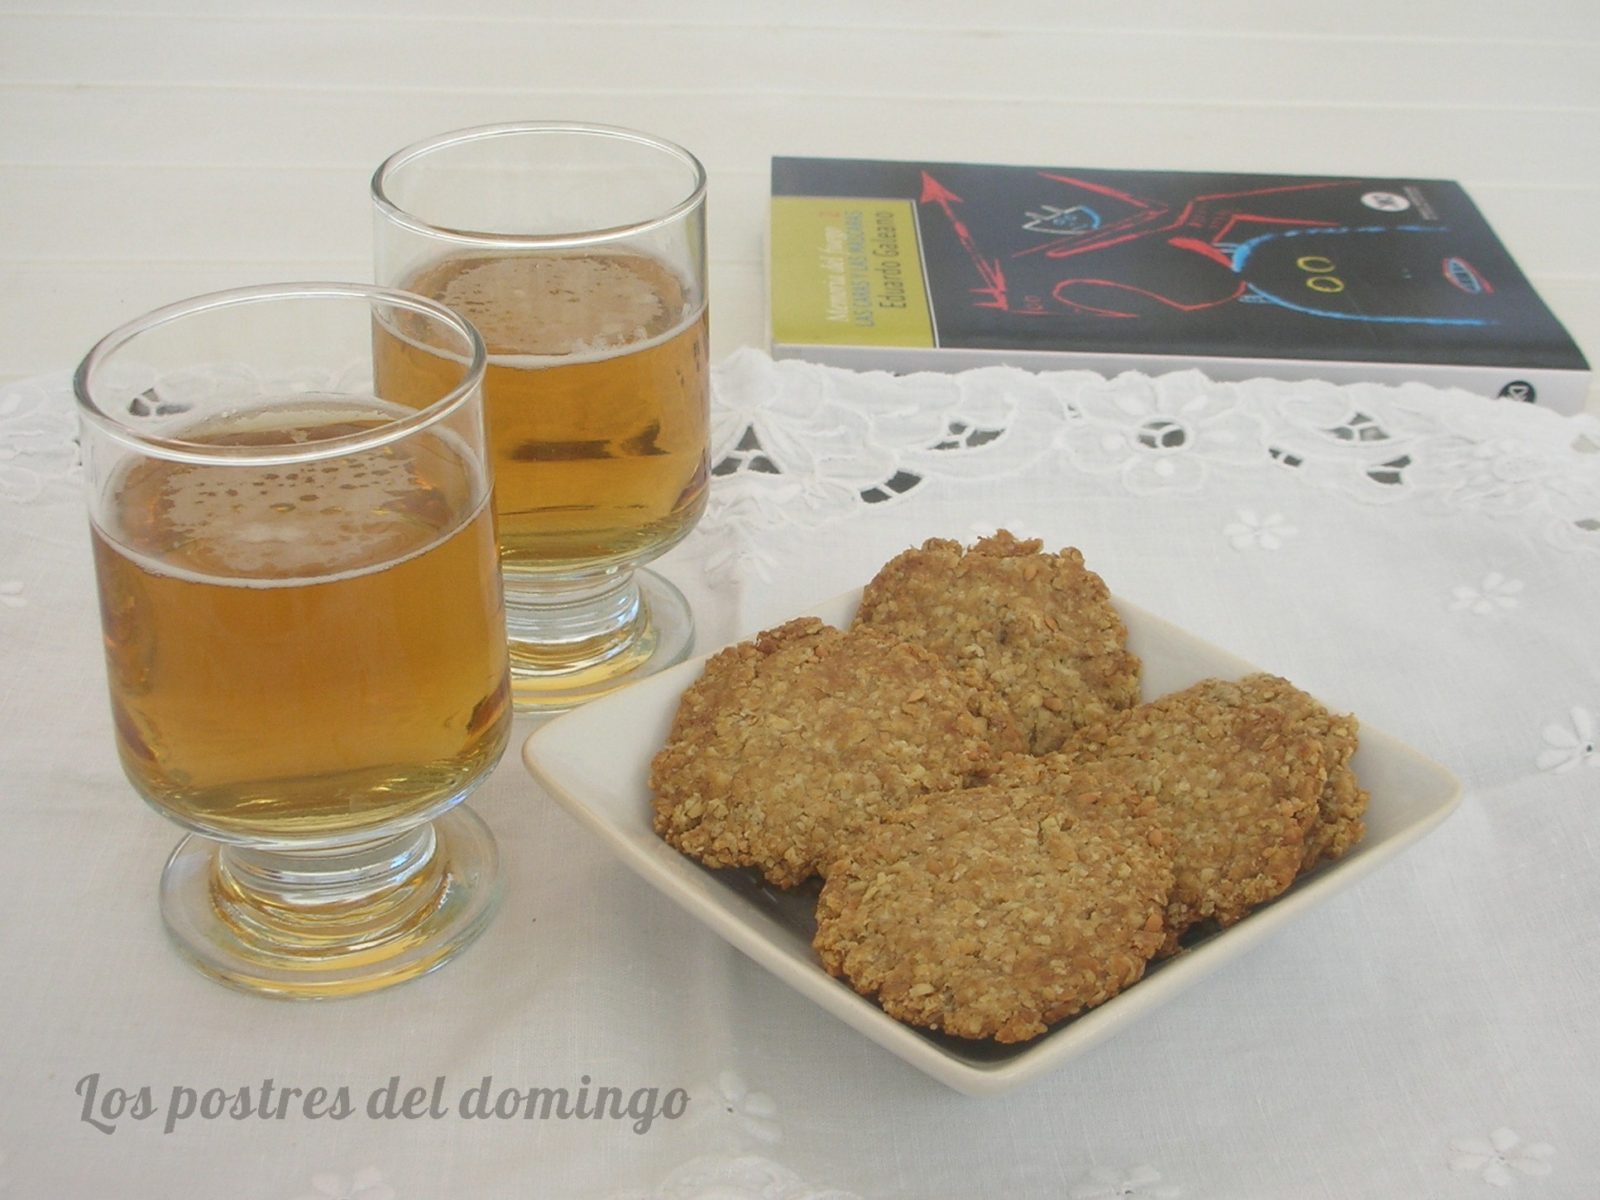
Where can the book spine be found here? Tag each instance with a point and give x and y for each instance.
(1564, 391)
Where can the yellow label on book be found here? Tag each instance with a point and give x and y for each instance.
(847, 271)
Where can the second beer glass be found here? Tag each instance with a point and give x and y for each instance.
(578, 251)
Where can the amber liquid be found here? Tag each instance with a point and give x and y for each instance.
(305, 652)
(596, 396)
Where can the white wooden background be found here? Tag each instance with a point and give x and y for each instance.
(152, 149)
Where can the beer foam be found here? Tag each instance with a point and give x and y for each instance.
(293, 520)
(583, 305)
(307, 520)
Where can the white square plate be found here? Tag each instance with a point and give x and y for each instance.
(595, 761)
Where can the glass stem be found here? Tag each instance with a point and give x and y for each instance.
(346, 894)
(573, 624)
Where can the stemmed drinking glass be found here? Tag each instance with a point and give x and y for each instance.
(579, 253)
(303, 626)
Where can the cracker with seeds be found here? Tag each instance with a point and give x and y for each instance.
(1237, 786)
(1038, 628)
(805, 733)
(997, 911)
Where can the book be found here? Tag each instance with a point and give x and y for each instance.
(941, 266)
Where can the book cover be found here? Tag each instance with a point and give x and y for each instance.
(917, 266)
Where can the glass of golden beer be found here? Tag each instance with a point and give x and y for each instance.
(303, 625)
(578, 251)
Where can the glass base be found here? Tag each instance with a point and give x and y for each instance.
(318, 924)
(646, 628)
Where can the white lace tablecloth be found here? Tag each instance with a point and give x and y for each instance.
(1429, 560)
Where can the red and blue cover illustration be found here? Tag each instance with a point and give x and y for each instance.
(1205, 265)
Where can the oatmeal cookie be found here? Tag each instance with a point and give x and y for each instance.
(804, 733)
(997, 911)
(1039, 628)
(1342, 805)
(1237, 785)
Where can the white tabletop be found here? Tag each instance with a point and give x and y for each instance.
(1429, 1032)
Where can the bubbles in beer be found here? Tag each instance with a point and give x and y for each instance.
(302, 520)
(558, 304)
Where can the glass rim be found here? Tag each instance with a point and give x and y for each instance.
(553, 241)
(392, 429)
